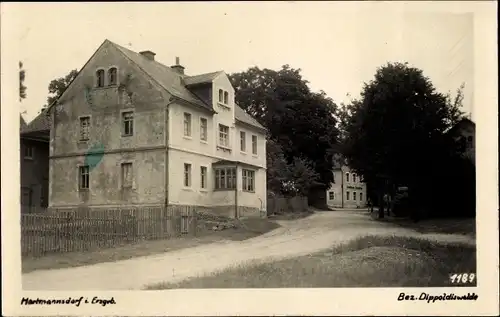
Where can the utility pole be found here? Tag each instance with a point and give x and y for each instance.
(342, 185)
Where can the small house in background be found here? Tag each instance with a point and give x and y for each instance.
(348, 189)
(34, 146)
(464, 132)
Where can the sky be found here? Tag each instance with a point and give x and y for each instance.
(338, 45)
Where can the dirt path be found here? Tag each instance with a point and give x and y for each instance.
(294, 238)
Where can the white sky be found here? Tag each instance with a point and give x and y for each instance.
(337, 45)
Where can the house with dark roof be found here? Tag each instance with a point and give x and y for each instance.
(34, 141)
(464, 132)
(131, 131)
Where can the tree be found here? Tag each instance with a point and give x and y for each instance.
(59, 85)
(395, 133)
(22, 77)
(300, 121)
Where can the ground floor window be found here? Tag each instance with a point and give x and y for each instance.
(361, 196)
(248, 180)
(331, 195)
(225, 178)
(347, 195)
(84, 177)
(354, 196)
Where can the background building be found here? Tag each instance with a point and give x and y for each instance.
(347, 191)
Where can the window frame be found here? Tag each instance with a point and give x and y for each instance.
(255, 144)
(331, 195)
(228, 144)
(83, 177)
(31, 152)
(203, 177)
(354, 196)
(360, 196)
(246, 176)
(347, 177)
(219, 179)
(347, 195)
(243, 141)
(187, 172)
(130, 182)
(221, 96)
(99, 78)
(203, 129)
(187, 125)
(124, 122)
(82, 119)
(109, 73)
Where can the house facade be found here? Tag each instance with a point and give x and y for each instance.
(34, 162)
(130, 131)
(347, 191)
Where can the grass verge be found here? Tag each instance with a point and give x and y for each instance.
(370, 261)
(244, 229)
(464, 226)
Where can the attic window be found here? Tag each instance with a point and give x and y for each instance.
(100, 78)
(226, 97)
(112, 76)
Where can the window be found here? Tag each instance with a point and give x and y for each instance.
(112, 76)
(203, 129)
(360, 196)
(248, 180)
(254, 144)
(128, 123)
(223, 135)
(347, 194)
(331, 195)
(126, 175)
(84, 177)
(225, 178)
(346, 177)
(354, 196)
(243, 144)
(100, 78)
(28, 152)
(203, 177)
(226, 98)
(354, 178)
(84, 128)
(187, 124)
(187, 175)
(221, 96)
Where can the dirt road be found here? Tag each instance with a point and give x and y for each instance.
(294, 238)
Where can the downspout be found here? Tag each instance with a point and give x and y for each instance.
(167, 135)
(236, 193)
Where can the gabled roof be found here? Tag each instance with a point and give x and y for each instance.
(22, 123)
(41, 123)
(175, 83)
(460, 124)
(201, 79)
(242, 116)
(164, 76)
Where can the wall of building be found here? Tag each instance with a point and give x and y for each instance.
(345, 190)
(134, 92)
(105, 180)
(35, 174)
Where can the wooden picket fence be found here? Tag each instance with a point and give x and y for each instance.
(85, 229)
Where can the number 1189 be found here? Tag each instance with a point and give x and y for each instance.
(462, 278)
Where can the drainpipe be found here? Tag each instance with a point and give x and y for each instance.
(236, 193)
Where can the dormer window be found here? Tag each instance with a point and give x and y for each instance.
(112, 76)
(226, 97)
(100, 78)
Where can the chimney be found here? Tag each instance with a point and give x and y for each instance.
(148, 54)
(177, 67)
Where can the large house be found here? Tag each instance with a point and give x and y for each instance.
(34, 139)
(130, 131)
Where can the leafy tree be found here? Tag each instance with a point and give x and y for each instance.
(300, 121)
(395, 133)
(22, 77)
(296, 178)
(58, 86)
